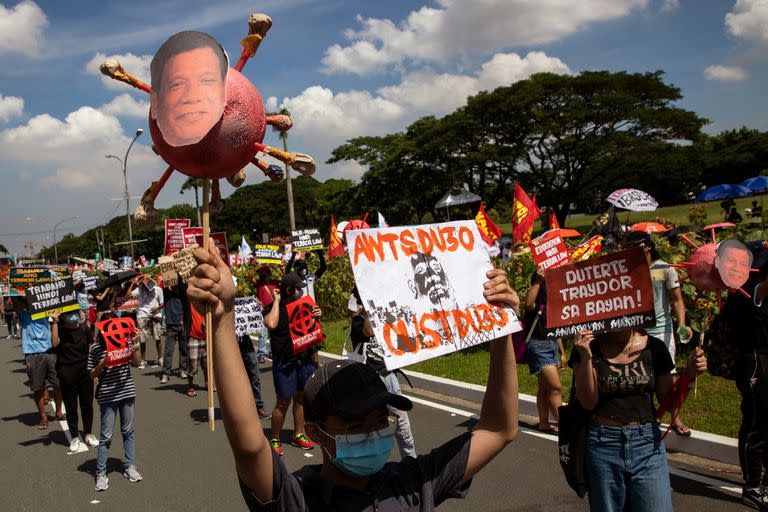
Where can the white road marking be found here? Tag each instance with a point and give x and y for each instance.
(65, 428)
(721, 485)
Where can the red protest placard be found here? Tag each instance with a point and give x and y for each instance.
(549, 251)
(602, 294)
(174, 238)
(305, 329)
(193, 236)
(117, 333)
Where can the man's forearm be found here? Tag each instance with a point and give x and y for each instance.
(499, 411)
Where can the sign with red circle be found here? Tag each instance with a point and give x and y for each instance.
(304, 327)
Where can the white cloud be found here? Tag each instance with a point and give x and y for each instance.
(137, 65)
(725, 73)
(669, 5)
(10, 106)
(749, 20)
(21, 28)
(271, 104)
(453, 29)
(126, 105)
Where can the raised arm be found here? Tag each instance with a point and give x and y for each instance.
(584, 373)
(289, 268)
(211, 284)
(321, 270)
(499, 413)
(533, 291)
(273, 317)
(55, 328)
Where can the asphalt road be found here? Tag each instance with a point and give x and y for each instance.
(187, 468)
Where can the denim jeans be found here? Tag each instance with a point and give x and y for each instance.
(108, 415)
(627, 469)
(251, 363)
(403, 433)
(263, 339)
(175, 334)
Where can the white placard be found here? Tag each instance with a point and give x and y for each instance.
(248, 315)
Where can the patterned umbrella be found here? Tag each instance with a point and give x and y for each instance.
(632, 199)
(649, 227)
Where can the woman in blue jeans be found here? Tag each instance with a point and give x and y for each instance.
(616, 376)
(115, 393)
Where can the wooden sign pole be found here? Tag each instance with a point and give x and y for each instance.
(208, 313)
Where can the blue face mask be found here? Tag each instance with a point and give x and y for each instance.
(366, 457)
(72, 318)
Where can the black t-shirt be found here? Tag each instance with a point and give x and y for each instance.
(539, 331)
(626, 390)
(280, 337)
(746, 322)
(419, 484)
(367, 346)
(73, 346)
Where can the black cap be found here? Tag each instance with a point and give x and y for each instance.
(292, 279)
(347, 389)
(637, 238)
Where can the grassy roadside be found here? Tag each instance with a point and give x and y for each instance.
(715, 409)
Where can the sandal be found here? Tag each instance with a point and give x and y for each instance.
(191, 392)
(549, 429)
(681, 430)
(61, 417)
(42, 425)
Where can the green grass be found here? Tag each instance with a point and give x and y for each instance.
(715, 409)
(678, 214)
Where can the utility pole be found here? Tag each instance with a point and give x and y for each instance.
(289, 186)
(124, 163)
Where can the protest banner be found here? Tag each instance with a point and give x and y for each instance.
(109, 265)
(422, 287)
(174, 237)
(304, 327)
(194, 236)
(90, 282)
(307, 240)
(56, 294)
(602, 294)
(126, 262)
(78, 275)
(117, 334)
(20, 278)
(265, 254)
(549, 252)
(249, 318)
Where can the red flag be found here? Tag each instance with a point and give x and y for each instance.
(488, 230)
(524, 214)
(335, 247)
(553, 224)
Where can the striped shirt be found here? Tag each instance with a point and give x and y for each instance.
(116, 383)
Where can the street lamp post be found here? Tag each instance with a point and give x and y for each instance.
(124, 163)
(55, 247)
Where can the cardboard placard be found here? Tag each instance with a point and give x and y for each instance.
(307, 240)
(549, 252)
(168, 271)
(194, 236)
(174, 237)
(608, 293)
(184, 261)
(59, 294)
(249, 318)
(266, 254)
(117, 333)
(90, 282)
(422, 287)
(305, 329)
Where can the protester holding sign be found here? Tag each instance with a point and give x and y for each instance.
(115, 393)
(544, 355)
(616, 375)
(667, 297)
(346, 403)
(197, 351)
(302, 270)
(175, 300)
(149, 316)
(72, 342)
(289, 371)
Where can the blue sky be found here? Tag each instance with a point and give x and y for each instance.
(342, 67)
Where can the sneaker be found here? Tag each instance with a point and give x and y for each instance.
(91, 440)
(131, 474)
(74, 445)
(164, 379)
(142, 365)
(263, 414)
(182, 374)
(755, 498)
(301, 441)
(160, 362)
(102, 482)
(277, 446)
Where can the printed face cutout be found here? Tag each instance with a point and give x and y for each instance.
(733, 261)
(189, 76)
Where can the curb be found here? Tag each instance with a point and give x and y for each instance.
(701, 444)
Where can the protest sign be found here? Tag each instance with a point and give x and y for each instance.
(168, 271)
(267, 254)
(184, 261)
(307, 240)
(126, 262)
(56, 294)
(174, 237)
(78, 275)
(117, 333)
(422, 287)
(90, 282)
(602, 294)
(549, 252)
(20, 278)
(194, 236)
(304, 327)
(108, 264)
(248, 316)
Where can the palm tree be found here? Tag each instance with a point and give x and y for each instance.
(195, 184)
(3, 250)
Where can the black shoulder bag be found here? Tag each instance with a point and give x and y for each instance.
(571, 442)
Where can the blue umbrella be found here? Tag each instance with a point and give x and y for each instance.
(756, 184)
(724, 191)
